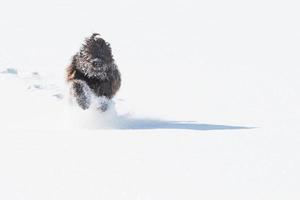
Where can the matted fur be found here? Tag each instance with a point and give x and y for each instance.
(93, 67)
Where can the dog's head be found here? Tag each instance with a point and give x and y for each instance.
(96, 48)
(95, 58)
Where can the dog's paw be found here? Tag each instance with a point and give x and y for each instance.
(103, 104)
(103, 107)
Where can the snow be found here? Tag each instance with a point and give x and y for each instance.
(208, 107)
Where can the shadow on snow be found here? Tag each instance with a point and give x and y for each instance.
(132, 123)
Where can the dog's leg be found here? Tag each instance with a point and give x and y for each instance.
(82, 93)
(102, 104)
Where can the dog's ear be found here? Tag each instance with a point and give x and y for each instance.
(70, 72)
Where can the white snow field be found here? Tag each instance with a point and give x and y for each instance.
(208, 107)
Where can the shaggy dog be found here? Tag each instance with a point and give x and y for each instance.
(93, 72)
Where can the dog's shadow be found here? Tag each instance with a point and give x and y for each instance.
(136, 123)
(113, 120)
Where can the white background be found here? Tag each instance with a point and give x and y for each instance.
(231, 63)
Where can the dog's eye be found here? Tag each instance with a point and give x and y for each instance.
(96, 61)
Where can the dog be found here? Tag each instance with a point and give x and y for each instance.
(93, 72)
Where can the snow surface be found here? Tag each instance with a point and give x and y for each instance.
(208, 107)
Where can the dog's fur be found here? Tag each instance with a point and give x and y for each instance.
(93, 70)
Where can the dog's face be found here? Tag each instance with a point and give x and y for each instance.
(97, 49)
(95, 58)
